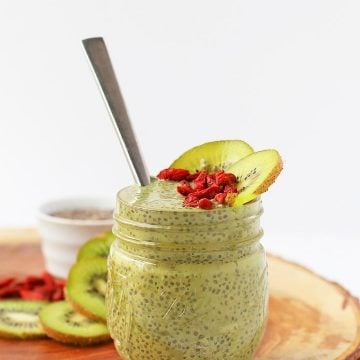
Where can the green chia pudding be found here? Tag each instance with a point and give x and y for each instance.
(185, 283)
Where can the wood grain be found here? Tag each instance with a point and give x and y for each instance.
(309, 317)
(18, 236)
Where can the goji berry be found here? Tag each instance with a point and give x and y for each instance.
(60, 283)
(32, 295)
(25, 285)
(184, 188)
(32, 281)
(192, 177)
(48, 279)
(230, 189)
(58, 294)
(173, 174)
(210, 180)
(205, 204)
(218, 172)
(220, 198)
(191, 200)
(6, 282)
(217, 185)
(45, 290)
(208, 193)
(223, 179)
(200, 181)
(33, 288)
(11, 290)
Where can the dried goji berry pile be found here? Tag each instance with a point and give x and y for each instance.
(44, 287)
(202, 189)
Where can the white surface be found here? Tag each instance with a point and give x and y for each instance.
(280, 74)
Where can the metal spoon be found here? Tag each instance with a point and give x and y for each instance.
(101, 66)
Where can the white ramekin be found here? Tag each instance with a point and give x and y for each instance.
(62, 238)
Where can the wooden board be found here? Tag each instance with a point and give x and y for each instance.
(309, 317)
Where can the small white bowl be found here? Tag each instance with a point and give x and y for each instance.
(62, 238)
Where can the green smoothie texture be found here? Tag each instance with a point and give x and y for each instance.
(185, 283)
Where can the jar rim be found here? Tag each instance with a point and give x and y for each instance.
(121, 200)
(127, 207)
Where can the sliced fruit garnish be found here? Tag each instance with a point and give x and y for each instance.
(86, 287)
(19, 319)
(98, 246)
(255, 173)
(212, 156)
(63, 324)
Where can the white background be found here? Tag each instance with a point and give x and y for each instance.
(282, 74)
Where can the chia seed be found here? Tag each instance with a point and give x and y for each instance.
(185, 283)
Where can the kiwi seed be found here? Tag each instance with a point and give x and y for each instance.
(255, 173)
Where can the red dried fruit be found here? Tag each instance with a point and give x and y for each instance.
(60, 283)
(32, 295)
(217, 185)
(24, 285)
(191, 200)
(184, 188)
(223, 179)
(209, 192)
(230, 189)
(210, 180)
(44, 287)
(218, 172)
(200, 181)
(220, 198)
(173, 174)
(205, 204)
(32, 281)
(49, 280)
(7, 281)
(11, 290)
(47, 290)
(192, 177)
(58, 294)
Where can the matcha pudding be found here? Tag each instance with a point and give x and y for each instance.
(185, 283)
(187, 275)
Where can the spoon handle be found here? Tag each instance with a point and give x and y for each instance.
(105, 77)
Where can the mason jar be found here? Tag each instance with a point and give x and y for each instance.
(186, 283)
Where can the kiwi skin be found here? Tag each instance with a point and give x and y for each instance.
(270, 179)
(271, 164)
(83, 311)
(71, 339)
(24, 335)
(74, 340)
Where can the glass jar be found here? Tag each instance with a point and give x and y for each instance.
(187, 283)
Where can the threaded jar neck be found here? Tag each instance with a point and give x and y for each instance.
(183, 234)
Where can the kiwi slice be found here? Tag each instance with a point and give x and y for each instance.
(212, 156)
(98, 246)
(19, 319)
(86, 287)
(63, 324)
(255, 173)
